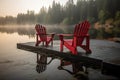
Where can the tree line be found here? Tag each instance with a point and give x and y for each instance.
(70, 13)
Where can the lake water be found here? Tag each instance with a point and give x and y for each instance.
(17, 64)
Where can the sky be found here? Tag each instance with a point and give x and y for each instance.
(13, 7)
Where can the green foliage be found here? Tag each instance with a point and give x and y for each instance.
(117, 23)
(7, 20)
(101, 33)
(117, 19)
(117, 16)
(41, 17)
(93, 33)
(103, 16)
(26, 18)
(105, 32)
(91, 20)
(65, 21)
(55, 14)
(116, 31)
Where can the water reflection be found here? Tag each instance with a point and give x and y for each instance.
(78, 71)
(18, 29)
(42, 63)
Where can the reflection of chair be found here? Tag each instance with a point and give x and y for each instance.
(79, 71)
(76, 67)
(80, 33)
(42, 36)
(42, 63)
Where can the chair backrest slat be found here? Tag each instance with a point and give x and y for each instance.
(80, 30)
(41, 31)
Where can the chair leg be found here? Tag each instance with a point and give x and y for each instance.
(88, 51)
(52, 43)
(88, 45)
(46, 44)
(61, 65)
(74, 51)
(37, 43)
(61, 46)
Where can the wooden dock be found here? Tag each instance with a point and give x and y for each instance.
(105, 55)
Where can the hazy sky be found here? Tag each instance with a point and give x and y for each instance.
(13, 7)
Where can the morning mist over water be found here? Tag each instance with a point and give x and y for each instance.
(30, 29)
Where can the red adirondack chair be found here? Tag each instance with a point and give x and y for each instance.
(80, 34)
(41, 36)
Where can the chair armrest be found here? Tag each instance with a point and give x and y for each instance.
(87, 35)
(46, 34)
(40, 34)
(65, 34)
(50, 34)
(62, 35)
